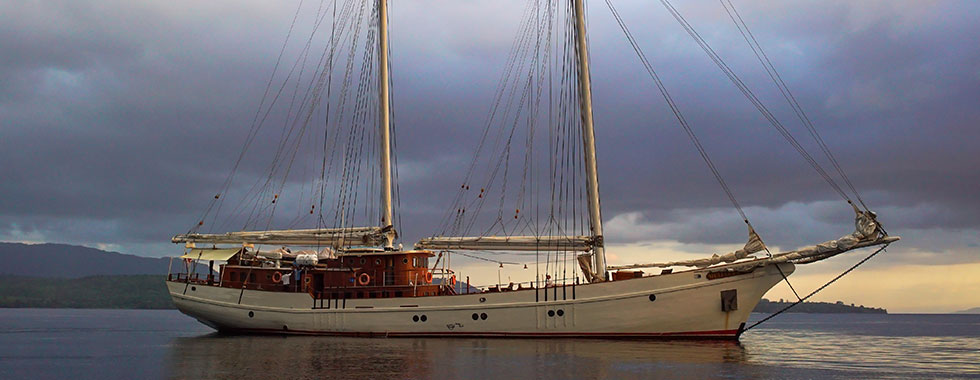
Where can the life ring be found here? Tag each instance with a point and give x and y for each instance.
(277, 277)
(363, 279)
(428, 277)
(452, 280)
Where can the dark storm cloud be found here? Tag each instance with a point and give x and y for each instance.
(119, 119)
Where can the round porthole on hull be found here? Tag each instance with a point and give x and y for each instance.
(251, 314)
(653, 297)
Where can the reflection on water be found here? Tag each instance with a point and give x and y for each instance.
(166, 344)
(801, 346)
(899, 345)
(897, 355)
(230, 356)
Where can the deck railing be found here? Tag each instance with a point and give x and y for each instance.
(196, 278)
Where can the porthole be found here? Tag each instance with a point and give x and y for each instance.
(483, 299)
(697, 276)
(405, 261)
(362, 260)
(483, 316)
(653, 297)
(551, 313)
(193, 288)
(476, 316)
(251, 314)
(415, 318)
(561, 312)
(284, 328)
(424, 318)
(377, 262)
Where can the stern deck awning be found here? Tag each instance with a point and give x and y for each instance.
(211, 254)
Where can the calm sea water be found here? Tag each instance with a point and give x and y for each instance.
(46, 343)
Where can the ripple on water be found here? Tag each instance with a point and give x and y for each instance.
(161, 344)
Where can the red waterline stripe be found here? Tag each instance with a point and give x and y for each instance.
(710, 333)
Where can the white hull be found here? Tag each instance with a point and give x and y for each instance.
(686, 304)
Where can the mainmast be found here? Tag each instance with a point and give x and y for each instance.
(588, 137)
(385, 118)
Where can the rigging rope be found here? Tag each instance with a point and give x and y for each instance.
(838, 277)
(253, 131)
(743, 88)
(299, 110)
(676, 111)
(763, 58)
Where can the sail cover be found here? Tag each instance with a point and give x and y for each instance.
(321, 236)
(754, 245)
(585, 263)
(509, 243)
(867, 232)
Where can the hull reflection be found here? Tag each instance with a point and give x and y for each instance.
(223, 356)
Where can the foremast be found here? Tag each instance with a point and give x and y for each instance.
(588, 137)
(387, 222)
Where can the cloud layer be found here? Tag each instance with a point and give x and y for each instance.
(119, 119)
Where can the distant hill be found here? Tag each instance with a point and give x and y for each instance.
(97, 292)
(767, 306)
(975, 310)
(72, 261)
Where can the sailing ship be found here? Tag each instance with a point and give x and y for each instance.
(359, 281)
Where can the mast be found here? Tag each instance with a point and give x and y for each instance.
(385, 133)
(588, 137)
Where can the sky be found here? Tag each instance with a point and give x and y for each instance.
(119, 121)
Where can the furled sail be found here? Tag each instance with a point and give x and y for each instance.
(509, 243)
(337, 237)
(867, 233)
(754, 245)
(585, 263)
